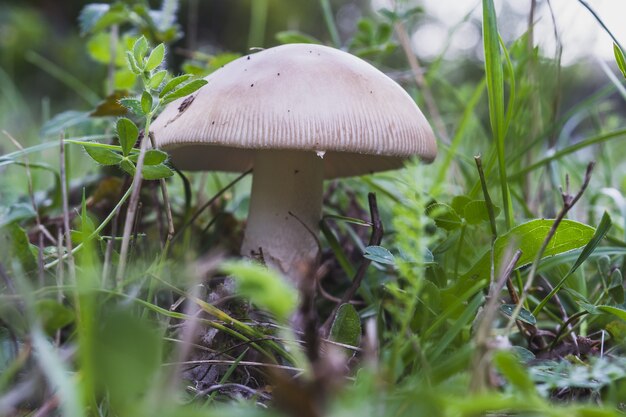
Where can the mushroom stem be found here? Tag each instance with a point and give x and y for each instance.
(286, 200)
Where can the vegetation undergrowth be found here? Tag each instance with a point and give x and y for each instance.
(487, 283)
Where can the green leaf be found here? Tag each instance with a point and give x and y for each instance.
(264, 287)
(157, 79)
(103, 156)
(152, 157)
(524, 315)
(15, 247)
(514, 372)
(620, 59)
(156, 172)
(615, 311)
(185, 90)
(528, 237)
(346, 328)
(127, 132)
(379, 254)
(99, 48)
(127, 166)
(616, 287)
(601, 231)
(444, 216)
(476, 212)
(156, 57)
(140, 48)
(459, 202)
(53, 315)
(133, 105)
(295, 36)
(132, 63)
(16, 213)
(128, 352)
(146, 102)
(173, 83)
(95, 17)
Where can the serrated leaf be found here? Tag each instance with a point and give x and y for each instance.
(346, 328)
(156, 172)
(152, 157)
(524, 315)
(127, 133)
(173, 83)
(620, 59)
(156, 57)
(379, 254)
(133, 105)
(528, 237)
(185, 90)
(103, 156)
(295, 36)
(146, 102)
(140, 48)
(157, 79)
(264, 287)
(127, 166)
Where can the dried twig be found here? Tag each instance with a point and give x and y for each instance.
(569, 201)
(131, 212)
(375, 239)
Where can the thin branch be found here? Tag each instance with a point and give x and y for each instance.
(568, 202)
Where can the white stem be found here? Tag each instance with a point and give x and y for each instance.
(286, 200)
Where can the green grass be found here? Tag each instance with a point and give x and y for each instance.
(430, 332)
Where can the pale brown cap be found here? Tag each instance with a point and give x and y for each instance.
(296, 96)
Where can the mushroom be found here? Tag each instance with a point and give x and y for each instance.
(297, 114)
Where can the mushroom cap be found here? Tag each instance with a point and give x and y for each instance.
(296, 96)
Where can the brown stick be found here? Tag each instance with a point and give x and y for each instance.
(568, 202)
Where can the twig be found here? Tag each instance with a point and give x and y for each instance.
(488, 316)
(375, 239)
(563, 312)
(132, 208)
(568, 202)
